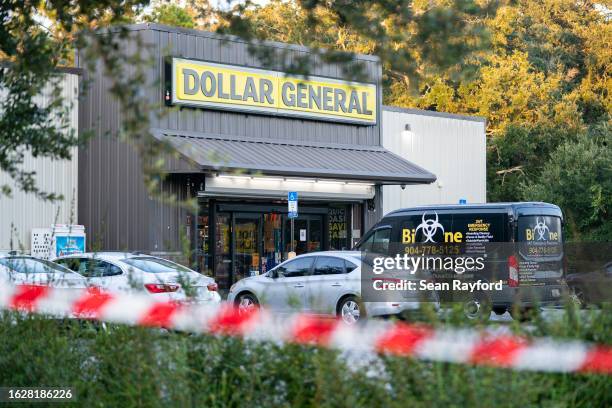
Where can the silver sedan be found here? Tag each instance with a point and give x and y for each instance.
(327, 283)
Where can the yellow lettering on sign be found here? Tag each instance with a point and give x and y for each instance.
(223, 86)
(407, 236)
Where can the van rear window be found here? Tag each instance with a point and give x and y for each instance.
(540, 235)
(542, 228)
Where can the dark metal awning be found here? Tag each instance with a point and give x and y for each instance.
(294, 158)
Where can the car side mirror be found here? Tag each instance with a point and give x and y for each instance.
(274, 274)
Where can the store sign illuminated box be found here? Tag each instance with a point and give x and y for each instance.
(230, 87)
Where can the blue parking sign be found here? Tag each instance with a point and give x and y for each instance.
(292, 204)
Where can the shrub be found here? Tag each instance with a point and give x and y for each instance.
(133, 366)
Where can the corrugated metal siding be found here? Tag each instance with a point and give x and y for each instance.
(25, 211)
(452, 148)
(113, 202)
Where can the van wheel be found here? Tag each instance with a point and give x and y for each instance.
(350, 310)
(478, 308)
(500, 310)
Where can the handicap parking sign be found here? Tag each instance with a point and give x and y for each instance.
(292, 204)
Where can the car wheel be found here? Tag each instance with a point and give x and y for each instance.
(350, 310)
(479, 307)
(246, 302)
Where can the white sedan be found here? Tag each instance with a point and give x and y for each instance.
(128, 272)
(26, 270)
(327, 283)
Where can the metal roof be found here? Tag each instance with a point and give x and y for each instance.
(295, 158)
(422, 112)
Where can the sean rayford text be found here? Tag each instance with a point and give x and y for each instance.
(424, 284)
(411, 264)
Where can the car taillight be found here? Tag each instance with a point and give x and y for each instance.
(212, 287)
(161, 287)
(513, 272)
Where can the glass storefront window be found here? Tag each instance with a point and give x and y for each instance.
(338, 228)
(307, 234)
(249, 242)
(315, 234)
(246, 255)
(272, 241)
(223, 256)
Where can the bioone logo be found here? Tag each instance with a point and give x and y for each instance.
(541, 232)
(429, 228)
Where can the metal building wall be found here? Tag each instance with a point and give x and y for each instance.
(25, 211)
(113, 202)
(453, 147)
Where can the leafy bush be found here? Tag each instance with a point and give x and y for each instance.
(130, 366)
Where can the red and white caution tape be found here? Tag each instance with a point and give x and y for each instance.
(416, 341)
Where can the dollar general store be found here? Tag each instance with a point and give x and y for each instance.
(247, 133)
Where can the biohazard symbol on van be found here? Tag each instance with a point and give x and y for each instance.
(541, 229)
(430, 228)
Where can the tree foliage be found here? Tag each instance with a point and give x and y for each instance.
(34, 40)
(578, 177)
(172, 15)
(414, 39)
(518, 156)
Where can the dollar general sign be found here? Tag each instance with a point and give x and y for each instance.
(219, 86)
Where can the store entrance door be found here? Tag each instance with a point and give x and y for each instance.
(247, 230)
(263, 241)
(248, 243)
(272, 245)
(307, 234)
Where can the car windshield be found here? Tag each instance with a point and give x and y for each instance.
(31, 265)
(155, 265)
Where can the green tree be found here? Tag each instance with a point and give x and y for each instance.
(546, 61)
(578, 177)
(173, 15)
(414, 39)
(518, 156)
(31, 51)
(509, 91)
